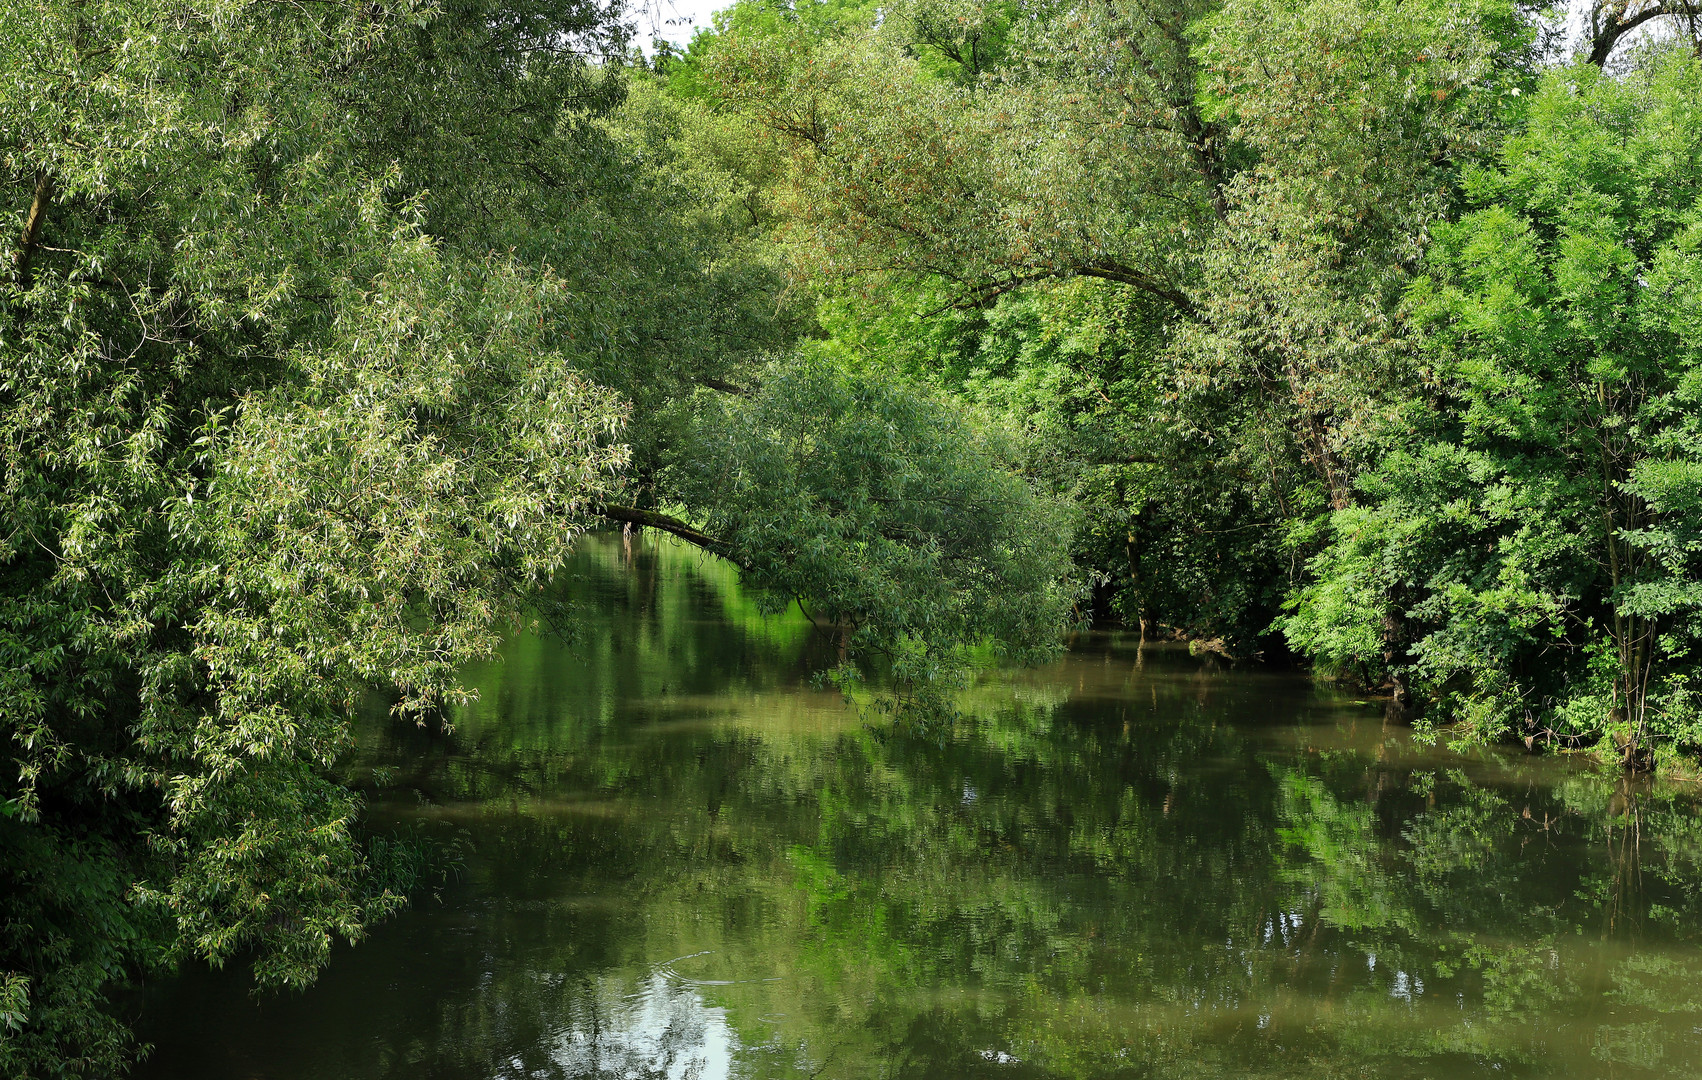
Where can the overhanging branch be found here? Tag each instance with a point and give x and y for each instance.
(671, 525)
(983, 295)
(1611, 20)
(726, 387)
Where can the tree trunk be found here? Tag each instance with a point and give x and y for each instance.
(24, 258)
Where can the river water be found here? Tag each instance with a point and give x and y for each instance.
(673, 856)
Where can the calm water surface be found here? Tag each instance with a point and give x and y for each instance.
(681, 860)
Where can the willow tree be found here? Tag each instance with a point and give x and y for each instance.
(327, 330)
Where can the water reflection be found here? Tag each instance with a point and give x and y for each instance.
(662, 1030)
(684, 861)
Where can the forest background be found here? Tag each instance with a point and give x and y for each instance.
(1363, 331)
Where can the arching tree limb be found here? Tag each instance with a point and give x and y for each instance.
(672, 525)
(726, 387)
(1611, 20)
(981, 296)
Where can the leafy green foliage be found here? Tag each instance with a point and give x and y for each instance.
(1527, 546)
(330, 329)
(1264, 227)
(890, 513)
(264, 443)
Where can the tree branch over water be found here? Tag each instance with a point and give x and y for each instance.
(672, 525)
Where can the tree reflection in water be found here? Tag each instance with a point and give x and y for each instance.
(685, 862)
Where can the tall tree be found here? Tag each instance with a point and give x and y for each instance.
(1533, 516)
(327, 330)
(1260, 179)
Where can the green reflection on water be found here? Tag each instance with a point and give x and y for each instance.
(685, 861)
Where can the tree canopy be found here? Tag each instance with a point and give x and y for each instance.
(329, 329)
(1360, 329)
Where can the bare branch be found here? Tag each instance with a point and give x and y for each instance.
(983, 295)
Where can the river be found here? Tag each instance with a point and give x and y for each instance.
(671, 855)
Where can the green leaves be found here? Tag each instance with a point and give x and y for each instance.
(336, 325)
(891, 517)
(1561, 602)
(266, 445)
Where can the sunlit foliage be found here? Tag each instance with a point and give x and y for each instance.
(1527, 545)
(328, 329)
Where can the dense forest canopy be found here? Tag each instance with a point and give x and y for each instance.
(1238, 273)
(1366, 330)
